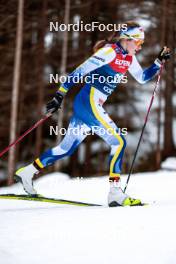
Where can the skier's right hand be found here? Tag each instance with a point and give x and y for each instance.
(53, 105)
(164, 54)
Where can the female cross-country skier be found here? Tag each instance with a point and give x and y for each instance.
(112, 57)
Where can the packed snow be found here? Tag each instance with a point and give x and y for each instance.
(35, 232)
(169, 164)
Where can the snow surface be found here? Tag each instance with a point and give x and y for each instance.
(35, 232)
(169, 164)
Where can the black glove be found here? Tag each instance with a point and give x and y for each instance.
(53, 105)
(164, 54)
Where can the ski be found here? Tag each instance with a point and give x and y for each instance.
(40, 198)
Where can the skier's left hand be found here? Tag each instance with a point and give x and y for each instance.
(164, 54)
(53, 105)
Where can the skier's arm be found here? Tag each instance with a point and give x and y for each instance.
(143, 76)
(101, 57)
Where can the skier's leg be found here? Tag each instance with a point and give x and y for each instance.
(109, 132)
(117, 143)
(76, 133)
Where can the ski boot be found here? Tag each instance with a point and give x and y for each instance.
(25, 175)
(117, 197)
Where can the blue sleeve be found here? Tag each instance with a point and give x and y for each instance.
(143, 76)
(103, 56)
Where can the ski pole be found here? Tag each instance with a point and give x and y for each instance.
(42, 120)
(145, 122)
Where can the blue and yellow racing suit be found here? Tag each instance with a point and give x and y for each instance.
(103, 71)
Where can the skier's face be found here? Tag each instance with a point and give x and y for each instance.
(133, 46)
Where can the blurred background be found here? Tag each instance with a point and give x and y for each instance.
(30, 52)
